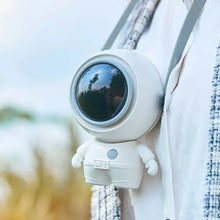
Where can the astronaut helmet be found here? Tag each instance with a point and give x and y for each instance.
(116, 95)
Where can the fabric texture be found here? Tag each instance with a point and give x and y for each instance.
(105, 204)
(212, 197)
(145, 16)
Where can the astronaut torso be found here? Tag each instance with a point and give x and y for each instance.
(116, 163)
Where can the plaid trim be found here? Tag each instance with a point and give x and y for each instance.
(105, 203)
(212, 197)
(146, 14)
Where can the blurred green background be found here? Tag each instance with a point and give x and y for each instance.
(43, 193)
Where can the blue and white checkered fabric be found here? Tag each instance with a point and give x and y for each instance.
(105, 203)
(212, 197)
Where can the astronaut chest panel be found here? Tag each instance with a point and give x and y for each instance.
(118, 164)
(110, 155)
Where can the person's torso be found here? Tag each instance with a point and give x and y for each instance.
(189, 105)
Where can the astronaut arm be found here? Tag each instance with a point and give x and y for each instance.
(148, 159)
(79, 156)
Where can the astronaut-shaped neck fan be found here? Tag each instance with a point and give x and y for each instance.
(116, 96)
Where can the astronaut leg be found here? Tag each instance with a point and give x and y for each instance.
(126, 178)
(94, 176)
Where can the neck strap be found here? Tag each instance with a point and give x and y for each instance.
(119, 25)
(184, 35)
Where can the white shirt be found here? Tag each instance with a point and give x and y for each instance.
(187, 110)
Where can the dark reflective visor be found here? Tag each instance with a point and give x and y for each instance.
(101, 92)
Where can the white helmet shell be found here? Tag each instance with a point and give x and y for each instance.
(143, 104)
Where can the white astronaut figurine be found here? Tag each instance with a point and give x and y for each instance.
(119, 164)
(116, 96)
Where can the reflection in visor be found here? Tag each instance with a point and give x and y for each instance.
(101, 92)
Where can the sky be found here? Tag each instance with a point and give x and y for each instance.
(104, 73)
(42, 42)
